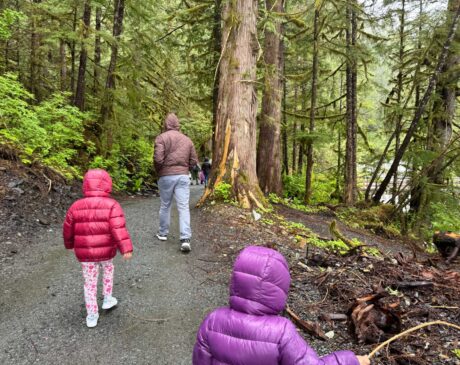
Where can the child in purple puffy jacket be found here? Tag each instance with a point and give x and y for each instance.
(250, 331)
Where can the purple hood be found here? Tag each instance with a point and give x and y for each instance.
(260, 282)
(250, 331)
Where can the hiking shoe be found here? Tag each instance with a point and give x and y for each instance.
(185, 245)
(91, 320)
(162, 237)
(109, 302)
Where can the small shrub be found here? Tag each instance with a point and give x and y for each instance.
(223, 191)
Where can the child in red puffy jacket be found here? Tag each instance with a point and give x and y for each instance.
(95, 227)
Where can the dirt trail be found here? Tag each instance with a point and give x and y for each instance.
(42, 312)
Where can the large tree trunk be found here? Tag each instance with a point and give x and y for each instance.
(284, 128)
(79, 100)
(421, 107)
(217, 40)
(314, 91)
(107, 102)
(302, 130)
(269, 151)
(445, 102)
(235, 148)
(351, 178)
(97, 51)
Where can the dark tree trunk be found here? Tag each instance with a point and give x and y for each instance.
(79, 100)
(34, 77)
(302, 131)
(422, 105)
(269, 148)
(97, 51)
(351, 189)
(235, 148)
(63, 65)
(107, 103)
(399, 117)
(314, 90)
(294, 135)
(284, 129)
(73, 50)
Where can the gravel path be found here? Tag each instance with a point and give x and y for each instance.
(42, 315)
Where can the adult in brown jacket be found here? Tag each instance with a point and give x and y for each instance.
(174, 156)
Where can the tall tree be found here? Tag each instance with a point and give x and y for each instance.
(351, 175)
(422, 105)
(97, 50)
(314, 92)
(79, 100)
(269, 147)
(234, 155)
(107, 102)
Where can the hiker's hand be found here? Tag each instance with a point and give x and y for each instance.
(363, 360)
(127, 255)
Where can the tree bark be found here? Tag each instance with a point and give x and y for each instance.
(399, 117)
(302, 131)
(351, 189)
(107, 102)
(445, 102)
(314, 90)
(63, 65)
(217, 40)
(284, 129)
(235, 146)
(79, 100)
(421, 107)
(34, 77)
(73, 49)
(294, 135)
(97, 51)
(269, 148)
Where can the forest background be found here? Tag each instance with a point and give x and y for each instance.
(355, 103)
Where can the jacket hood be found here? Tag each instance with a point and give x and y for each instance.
(260, 282)
(97, 182)
(172, 122)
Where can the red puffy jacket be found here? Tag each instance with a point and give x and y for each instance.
(95, 225)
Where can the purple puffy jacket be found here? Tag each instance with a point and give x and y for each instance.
(250, 331)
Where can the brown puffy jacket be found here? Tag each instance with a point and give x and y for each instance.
(174, 152)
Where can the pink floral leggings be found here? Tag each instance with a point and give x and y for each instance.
(90, 274)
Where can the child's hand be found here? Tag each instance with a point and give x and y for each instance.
(127, 255)
(363, 360)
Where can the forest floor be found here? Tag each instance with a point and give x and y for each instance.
(164, 295)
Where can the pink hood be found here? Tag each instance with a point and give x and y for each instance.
(97, 182)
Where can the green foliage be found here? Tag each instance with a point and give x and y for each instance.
(223, 191)
(8, 17)
(445, 215)
(334, 245)
(50, 131)
(322, 187)
(456, 352)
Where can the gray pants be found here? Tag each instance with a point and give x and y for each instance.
(179, 186)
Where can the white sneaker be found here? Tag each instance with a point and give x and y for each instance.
(185, 245)
(91, 320)
(162, 237)
(109, 302)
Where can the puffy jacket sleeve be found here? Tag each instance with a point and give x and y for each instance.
(118, 229)
(67, 230)
(193, 160)
(201, 353)
(159, 153)
(295, 351)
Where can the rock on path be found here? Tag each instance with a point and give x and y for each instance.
(42, 315)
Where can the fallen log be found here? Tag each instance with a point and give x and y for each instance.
(311, 328)
(448, 244)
